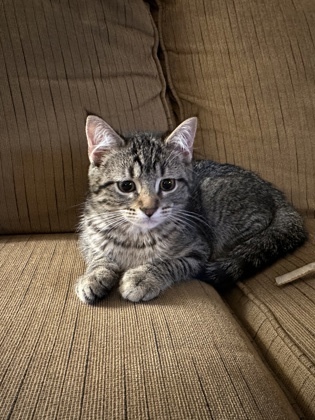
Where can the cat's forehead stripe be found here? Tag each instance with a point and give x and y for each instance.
(146, 156)
(137, 169)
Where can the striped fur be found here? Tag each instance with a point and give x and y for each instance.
(154, 217)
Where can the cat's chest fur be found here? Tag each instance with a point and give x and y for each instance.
(130, 248)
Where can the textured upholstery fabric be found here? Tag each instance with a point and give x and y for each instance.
(60, 61)
(182, 356)
(246, 69)
(281, 320)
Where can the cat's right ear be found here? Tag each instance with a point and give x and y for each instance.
(101, 138)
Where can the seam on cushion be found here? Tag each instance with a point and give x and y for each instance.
(167, 108)
(250, 340)
(165, 69)
(288, 385)
(307, 363)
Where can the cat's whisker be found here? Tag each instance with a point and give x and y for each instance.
(103, 217)
(198, 218)
(177, 219)
(113, 219)
(182, 216)
(106, 224)
(190, 215)
(112, 224)
(77, 205)
(189, 218)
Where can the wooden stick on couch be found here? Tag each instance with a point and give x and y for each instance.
(296, 274)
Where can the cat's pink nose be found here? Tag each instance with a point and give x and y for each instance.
(149, 212)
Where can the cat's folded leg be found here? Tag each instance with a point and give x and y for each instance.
(147, 281)
(97, 282)
(140, 284)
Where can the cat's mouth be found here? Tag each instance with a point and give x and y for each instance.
(145, 222)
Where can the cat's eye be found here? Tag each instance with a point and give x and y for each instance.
(126, 186)
(167, 184)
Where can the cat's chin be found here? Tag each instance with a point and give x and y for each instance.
(145, 225)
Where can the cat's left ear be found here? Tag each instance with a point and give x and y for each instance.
(182, 138)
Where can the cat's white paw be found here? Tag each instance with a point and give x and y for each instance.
(138, 285)
(92, 287)
(89, 290)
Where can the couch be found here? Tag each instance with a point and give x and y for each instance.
(246, 69)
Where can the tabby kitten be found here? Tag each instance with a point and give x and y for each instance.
(154, 216)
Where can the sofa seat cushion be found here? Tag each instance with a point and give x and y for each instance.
(181, 356)
(58, 64)
(281, 321)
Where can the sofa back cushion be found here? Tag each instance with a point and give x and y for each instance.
(246, 69)
(59, 63)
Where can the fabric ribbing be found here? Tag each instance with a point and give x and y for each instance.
(246, 69)
(181, 356)
(59, 62)
(281, 321)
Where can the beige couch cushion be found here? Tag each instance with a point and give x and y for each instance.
(246, 69)
(281, 320)
(57, 64)
(182, 356)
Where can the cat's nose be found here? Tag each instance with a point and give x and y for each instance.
(149, 211)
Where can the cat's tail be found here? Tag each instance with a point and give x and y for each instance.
(285, 233)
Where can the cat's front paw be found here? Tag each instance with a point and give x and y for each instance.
(94, 286)
(138, 285)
